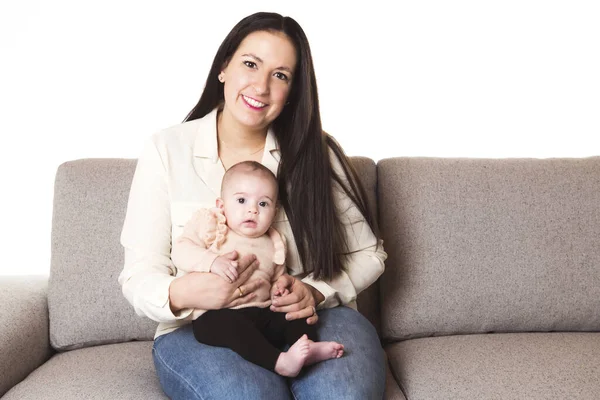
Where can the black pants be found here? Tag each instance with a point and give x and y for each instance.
(257, 334)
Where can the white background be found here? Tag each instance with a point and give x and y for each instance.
(412, 78)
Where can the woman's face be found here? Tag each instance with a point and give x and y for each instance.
(258, 79)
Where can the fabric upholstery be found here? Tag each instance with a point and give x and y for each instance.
(368, 300)
(475, 246)
(24, 330)
(85, 301)
(483, 245)
(533, 366)
(117, 371)
(392, 390)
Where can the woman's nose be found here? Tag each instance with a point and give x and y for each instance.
(261, 84)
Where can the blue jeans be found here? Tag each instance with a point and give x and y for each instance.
(191, 370)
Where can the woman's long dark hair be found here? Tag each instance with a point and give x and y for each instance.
(306, 177)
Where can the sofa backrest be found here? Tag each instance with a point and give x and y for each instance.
(85, 302)
(489, 245)
(368, 300)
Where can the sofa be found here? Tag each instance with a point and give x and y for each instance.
(491, 288)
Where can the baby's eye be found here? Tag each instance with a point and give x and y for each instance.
(241, 200)
(263, 204)
(250, 64)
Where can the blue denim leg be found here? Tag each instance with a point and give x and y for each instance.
(359, 374)
(191, 370)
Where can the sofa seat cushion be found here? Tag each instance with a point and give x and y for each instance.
(116, 371)
(499, 366)
(392, 390)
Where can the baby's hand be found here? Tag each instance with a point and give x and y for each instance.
(277, 292)
(280, 287)
(225, 267)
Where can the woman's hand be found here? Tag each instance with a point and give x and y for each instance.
(300, 302)
(208, 291)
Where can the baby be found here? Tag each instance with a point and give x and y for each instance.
(242, 222)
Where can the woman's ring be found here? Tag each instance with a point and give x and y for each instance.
(241, 291)
(314, 310)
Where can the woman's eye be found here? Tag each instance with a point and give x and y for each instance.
(281, 76)
(263, 204)
(250, 64)
(241, 200)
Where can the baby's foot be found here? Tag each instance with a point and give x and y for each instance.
(291, 362)
(320, 351)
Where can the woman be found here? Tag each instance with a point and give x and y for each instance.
(260, 103)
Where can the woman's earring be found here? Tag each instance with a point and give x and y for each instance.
(221, 78)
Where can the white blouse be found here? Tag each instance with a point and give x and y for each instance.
(178, 172)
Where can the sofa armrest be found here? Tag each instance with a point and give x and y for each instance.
(24, 343)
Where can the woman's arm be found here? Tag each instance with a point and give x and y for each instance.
(363, 261)
(364, 257)
(148, 272)
(364, 264)
(146, 238)
(216, 292)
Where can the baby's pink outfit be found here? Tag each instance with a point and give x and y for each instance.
(206, 236)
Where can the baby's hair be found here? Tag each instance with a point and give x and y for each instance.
(252, 167)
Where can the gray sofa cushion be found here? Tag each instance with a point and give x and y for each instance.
(85, 302)
(535, 366)
(116, 371)
(481, 245)
(392, 390)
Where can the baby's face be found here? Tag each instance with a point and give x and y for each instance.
(249, 203)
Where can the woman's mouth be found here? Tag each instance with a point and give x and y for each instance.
(254, 104)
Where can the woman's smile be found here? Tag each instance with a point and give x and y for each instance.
(252, 103)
